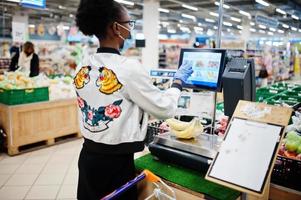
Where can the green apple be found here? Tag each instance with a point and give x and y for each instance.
(299, 149)
(292, 145)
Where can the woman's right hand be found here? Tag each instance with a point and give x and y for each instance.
(184, 71)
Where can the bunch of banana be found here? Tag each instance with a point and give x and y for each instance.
(185, 130)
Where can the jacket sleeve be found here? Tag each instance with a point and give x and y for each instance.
(34, 66)
(14, 62)
(140, 89)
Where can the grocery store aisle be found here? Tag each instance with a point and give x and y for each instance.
(48, 173)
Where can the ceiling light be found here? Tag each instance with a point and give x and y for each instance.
(189, 7)
(125, 2)
(189, 17)
(240, 32)
(295, 17)
(181, 21)
(280, 31)
(215, 27)
(262, 2)
(200, 24)
(252, 23)
(62, 7)
(213, 14)
(224, 5)
(280, 11)
(299, 30)
(15, 1)
(235, 19)
(285, 26)
(179, 25)
(272, 29)
(31, 26)
(262, 26)
(252, 29)
(163, 10)
(239, 27)
(261, 31)
(209, 20)
(71, 15)
(171, 31)
(294, 28)
(245, 13)
(229, 30)
(270, 33)
(227, 23)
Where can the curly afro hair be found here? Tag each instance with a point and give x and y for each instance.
(94, 16)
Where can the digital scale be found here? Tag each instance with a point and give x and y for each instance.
(197, 153)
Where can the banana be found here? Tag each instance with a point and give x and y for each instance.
(177, 124)
(190, 131)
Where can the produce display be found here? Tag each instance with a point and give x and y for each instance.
(291, 148)
(59, 87)
(185, 130)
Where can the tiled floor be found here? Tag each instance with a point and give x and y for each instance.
(48, 173)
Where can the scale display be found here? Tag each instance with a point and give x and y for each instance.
(207, 66)
(246, 154)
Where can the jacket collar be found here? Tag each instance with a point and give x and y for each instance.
(108, 50)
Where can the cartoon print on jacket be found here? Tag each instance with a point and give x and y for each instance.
(97, 119)
(107, 81)
(82, 77)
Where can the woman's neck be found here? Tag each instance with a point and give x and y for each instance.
(108, 44)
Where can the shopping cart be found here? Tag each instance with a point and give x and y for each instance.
(158, 193)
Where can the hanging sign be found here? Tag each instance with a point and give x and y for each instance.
(19, 32)
(33, 3)
(269, 22)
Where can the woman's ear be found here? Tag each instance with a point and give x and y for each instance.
(116, 28)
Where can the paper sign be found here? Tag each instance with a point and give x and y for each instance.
(19, 32)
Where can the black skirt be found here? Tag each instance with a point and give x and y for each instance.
(100, 174)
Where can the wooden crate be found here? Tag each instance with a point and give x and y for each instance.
(30, 123)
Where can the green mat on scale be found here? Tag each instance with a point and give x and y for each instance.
(186, 178)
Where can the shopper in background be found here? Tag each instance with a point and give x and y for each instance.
(26, 61)
(266, 71)
(115, 95)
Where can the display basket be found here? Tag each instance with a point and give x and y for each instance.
(153, 128)
(287, 173)
(22, 96)
(161, 192)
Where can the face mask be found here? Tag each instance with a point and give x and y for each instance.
(127, 42)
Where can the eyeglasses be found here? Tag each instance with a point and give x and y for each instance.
(130, 22)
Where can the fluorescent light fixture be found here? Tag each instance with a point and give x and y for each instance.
(252, 29)
(294, 28)
(235, 19)
(270, 33)
(15, 1)
(66, 28)
(125, 2)
(295, 17)
(171, 31)
(262, 26)
(245, 13)
(280, 31)
(262, 2)
(31, 26)
(215, 27)
(278, 10)
(209, 20)
(163, 10)
(224, 5)
(227, 23)
(272, 29)
(190, 7)
(198, 28)
(252, 23)
(285, 26)
(261, 31)
(239, 27)
(214, 14)
(189, 17)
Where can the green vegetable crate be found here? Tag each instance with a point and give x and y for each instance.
(22, 96)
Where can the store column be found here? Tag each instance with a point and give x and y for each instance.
(20, 27)
(150, 54)
(245, 32)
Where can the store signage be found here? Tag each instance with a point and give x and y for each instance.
(33, 3)
(269, 22)
(19, 32)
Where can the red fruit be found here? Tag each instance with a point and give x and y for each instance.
(281, 150)
(298, 156)
(290, 154)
